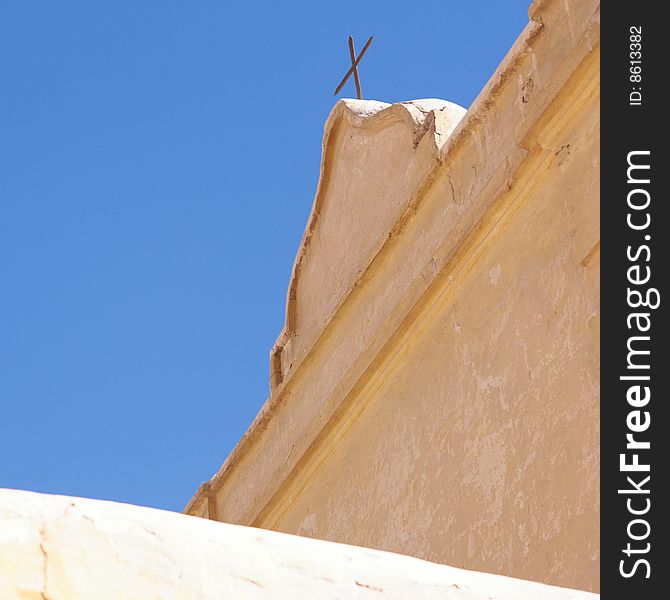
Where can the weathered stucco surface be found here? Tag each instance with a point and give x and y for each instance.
(435, 389)
(59, 548)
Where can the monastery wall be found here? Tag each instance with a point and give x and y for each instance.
(435, 391)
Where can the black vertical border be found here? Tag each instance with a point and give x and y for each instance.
(626, 128)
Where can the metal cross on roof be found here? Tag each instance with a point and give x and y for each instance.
(354, 67)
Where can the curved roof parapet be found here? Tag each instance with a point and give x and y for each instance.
(375, 158)
(72, 548)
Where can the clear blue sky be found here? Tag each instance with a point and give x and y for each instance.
(158, 162)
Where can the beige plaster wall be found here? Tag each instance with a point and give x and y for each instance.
(478, 447)
(435, 389)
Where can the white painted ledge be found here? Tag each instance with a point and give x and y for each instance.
(60, 548)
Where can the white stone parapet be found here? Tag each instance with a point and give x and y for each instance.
(62, 548)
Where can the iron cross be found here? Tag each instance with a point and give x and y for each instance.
(354, 67)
